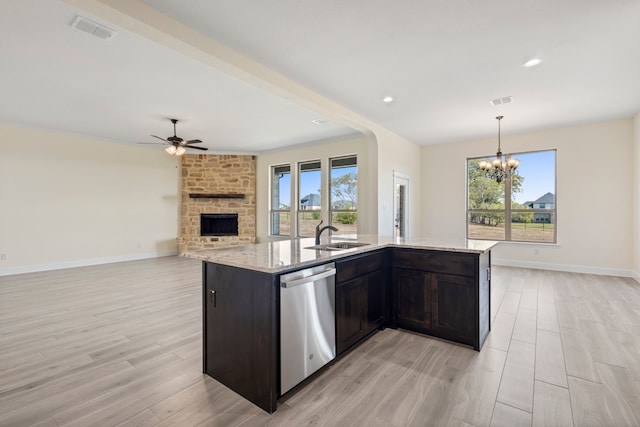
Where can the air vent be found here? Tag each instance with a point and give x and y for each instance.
(88, 26)
(500, 101)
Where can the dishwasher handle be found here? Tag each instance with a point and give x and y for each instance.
(297, 282)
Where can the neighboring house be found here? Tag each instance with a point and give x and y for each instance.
(546, 201)
(310, 202)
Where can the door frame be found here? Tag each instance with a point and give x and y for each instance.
(397, 178)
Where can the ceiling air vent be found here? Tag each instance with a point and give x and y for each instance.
(500, 101)
(88, 26)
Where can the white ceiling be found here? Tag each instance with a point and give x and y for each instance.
(441, 60)
(58, 78)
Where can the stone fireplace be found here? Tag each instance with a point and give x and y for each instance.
(218, 201)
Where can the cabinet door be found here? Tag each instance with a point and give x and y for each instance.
(454, 311)
(350, 313)
(413, 298)
(376, 291)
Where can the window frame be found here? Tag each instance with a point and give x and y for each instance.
(331, 211)
(508, 210)
(273, 211)
(298, 211)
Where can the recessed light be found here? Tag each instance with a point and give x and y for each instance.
(532, 62)
(387, 99)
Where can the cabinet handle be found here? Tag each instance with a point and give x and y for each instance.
(212, 297)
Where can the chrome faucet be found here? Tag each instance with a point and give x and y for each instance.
(320, 230)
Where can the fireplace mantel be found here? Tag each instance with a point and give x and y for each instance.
(216, 196)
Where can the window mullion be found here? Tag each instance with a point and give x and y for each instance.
(507, 209)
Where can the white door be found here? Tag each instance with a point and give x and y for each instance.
(401, 205)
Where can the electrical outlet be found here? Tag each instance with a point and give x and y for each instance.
(3, 257)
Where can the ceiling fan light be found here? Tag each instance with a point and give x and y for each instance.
(170, 149)
(180, 151)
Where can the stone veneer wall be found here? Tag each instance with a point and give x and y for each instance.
(210, 173)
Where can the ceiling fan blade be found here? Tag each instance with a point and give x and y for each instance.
(153, 143)
(192, 141)
(198, 148)
(161, 139)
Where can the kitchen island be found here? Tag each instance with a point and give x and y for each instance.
(439, 288)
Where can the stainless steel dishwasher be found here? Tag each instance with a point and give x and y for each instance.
(307, 323)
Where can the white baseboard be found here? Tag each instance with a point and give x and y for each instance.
(603, 271)
(83, 263)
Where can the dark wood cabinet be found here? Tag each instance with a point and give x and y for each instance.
(239, 332)
(441, 294)
(361, 297)
(350, 313)
(435, 302)
(412, 292)
(453, 306)
(377, 290)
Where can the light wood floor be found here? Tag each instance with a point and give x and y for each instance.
(120, 344)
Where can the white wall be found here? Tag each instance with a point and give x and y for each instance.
(68, 201)
(594, 196)
(323, 150)
(399, 155)
(636, 196)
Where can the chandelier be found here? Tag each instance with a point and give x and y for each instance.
(499, 168)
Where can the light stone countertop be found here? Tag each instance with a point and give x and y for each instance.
(286, 255)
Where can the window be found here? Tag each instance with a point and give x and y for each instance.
(299, 216)
(280, 211)
(521, 208)
(309, 197)
(343, 192)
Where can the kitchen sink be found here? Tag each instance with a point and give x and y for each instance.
(337, 246)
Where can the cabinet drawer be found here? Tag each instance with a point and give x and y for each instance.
(435, 261)
(359, 265)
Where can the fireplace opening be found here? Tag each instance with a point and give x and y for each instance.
(219, 224)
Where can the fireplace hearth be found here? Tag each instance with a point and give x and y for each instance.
(225, 224)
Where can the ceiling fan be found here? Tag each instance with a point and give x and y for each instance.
(177, 145)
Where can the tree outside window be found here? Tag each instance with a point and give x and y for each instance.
(344, 194)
